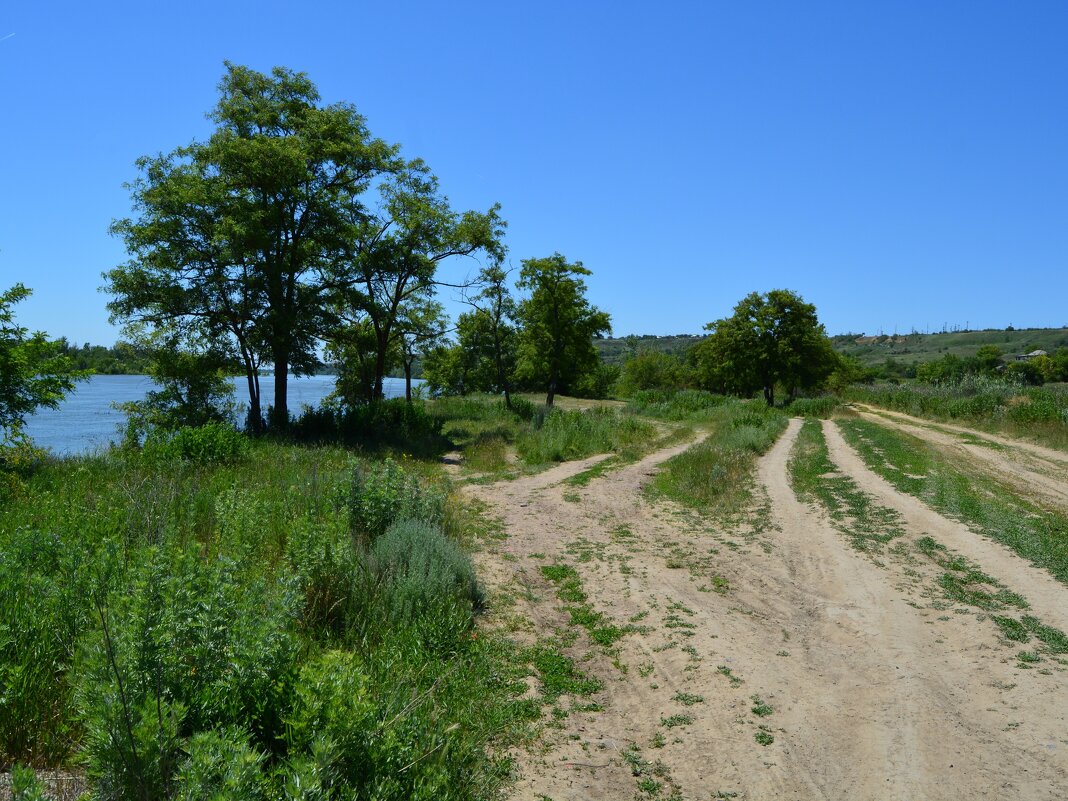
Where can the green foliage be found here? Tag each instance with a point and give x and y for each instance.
(220, 764)
(652, 370)
(558, 325)
(998, 402)
(772, 339)
(430, 583)
(25, 786)
(813, 407)
(34, 372)
(405, 427)
(717, 473)
(194, 390)
(689, 404)
(566, 435)
(123, 358)
(384, 492)
(212, 443)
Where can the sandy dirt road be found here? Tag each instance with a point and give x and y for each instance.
(875, 692)
(1033, 471)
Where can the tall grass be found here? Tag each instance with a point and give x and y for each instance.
(1041, 412)
(717, 474)
(190, 628)
(566, 435)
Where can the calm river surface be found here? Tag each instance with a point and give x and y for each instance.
(86, 421)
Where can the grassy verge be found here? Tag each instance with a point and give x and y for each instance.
(868, 524)
(717, 474)
(293, 618)
(1037, 413)
(919, 469)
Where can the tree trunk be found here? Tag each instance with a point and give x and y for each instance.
(552, 393)
(255, 415)
(408, 381)
(769, 395)
(280, 414)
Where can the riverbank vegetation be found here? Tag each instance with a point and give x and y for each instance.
(269, 621)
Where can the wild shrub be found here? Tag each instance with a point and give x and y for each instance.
(393, 423)
(430, 582)
(207, 638)
(213, 443)
(327, 568)
(221, 764)
(687, 404)
(383, 492)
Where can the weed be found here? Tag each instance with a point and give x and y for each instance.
(676, 720)
(764, 737)
(760, 709)
(687, 699)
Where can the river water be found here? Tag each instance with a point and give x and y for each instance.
(86, 421)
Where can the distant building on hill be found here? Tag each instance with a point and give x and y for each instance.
(1023, 357)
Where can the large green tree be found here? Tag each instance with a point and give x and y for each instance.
(396, 249)
(558, 325)
(34, 372)
(238, 238)
(771, 339)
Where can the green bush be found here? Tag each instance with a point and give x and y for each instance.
(212, 443)
(393, 423)
(383, 492)
(201, 635)
(220, 765)
(430, 582)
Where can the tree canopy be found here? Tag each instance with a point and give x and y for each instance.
(34, 372)
(771, 339)
(559, 324)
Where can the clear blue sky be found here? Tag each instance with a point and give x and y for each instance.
(900, 164)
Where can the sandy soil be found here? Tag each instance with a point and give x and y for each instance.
(1029, 469)
(876, 693)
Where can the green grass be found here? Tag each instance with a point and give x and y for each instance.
(716, 475)
(917, 468)
(992, 404)
(576, 604)
(855, 513)
(161, 616)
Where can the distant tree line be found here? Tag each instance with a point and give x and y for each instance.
(122, 358)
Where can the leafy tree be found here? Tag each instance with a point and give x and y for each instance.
(558, 324)
(447, 370)
(489, 334)
(33, 370)
(354, 351)
(773, 338)
(988, 358)
(194, 389)
(651, 369)
(421, 325)
(395, 251)
(236, 238)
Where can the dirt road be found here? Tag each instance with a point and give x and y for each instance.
(774, 631)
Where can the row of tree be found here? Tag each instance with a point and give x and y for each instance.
(290, 227)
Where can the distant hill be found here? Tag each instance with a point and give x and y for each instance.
(614, 350)
(905, 349)
(914, 348)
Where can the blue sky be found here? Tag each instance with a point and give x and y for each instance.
(900, 164)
